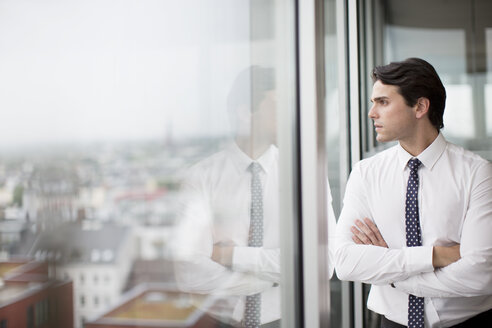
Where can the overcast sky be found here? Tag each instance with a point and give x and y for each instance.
(74, 70)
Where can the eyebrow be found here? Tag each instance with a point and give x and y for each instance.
(379, 98)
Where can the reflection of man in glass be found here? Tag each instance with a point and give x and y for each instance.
(228, 236)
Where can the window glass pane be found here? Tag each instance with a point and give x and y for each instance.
(129, 129)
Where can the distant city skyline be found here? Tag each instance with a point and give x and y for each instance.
(129, 70)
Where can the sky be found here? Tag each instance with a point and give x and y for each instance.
(76, 71)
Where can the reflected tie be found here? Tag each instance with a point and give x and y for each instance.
(414, 238)
(252, 310)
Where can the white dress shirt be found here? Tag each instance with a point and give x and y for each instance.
(217, 198)
(455, 206)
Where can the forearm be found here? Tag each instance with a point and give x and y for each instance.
(204, 276)
(465, 278)
(443, 256)
(262, 262)
(379, 265)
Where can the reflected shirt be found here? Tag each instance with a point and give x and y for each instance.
(455, 206)
(216, 209)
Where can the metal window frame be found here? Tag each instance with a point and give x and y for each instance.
(305, 296)
(305, 291)
(354, 68)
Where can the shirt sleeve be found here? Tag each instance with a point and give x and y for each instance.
(472, 274)
(192, 248)
(332, 226)
(263, 262)
(368, 263)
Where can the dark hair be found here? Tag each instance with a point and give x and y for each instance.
(250, 86)
(415, 78)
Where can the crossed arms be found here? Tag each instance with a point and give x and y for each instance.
(205, 265)
(464, 270)
(367, 233)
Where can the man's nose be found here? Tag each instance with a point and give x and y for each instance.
(372, 112)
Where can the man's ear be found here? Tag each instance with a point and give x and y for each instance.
(422, 107)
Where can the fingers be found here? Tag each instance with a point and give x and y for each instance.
(367, 233)
(377, 233)
(359, 237)
(357, 240)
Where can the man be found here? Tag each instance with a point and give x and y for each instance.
(417, 218)
(228, 236)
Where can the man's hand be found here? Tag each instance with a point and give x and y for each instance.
(222, 253)
(367, 234)
(445, 255)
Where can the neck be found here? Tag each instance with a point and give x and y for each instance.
(251, 147)
(420, 141)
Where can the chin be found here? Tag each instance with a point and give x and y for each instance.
(381, 138)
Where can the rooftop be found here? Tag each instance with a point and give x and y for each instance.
(155, 305)
(21, 278)
(81, 243)
(11, 292)
(7, 267)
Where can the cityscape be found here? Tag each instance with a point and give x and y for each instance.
(85, 232)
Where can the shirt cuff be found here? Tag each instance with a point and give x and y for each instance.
(245, 259)
(419, 259)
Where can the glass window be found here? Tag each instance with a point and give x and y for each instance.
(153, 121)
(30, 316)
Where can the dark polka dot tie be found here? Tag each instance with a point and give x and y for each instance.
(252, 312)
(414, 238)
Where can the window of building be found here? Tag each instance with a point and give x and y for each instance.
(30, 317)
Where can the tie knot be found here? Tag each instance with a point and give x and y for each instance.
(255, 167)
(414, 164)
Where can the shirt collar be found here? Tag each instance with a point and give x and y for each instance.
(428, 157)
(242, 161)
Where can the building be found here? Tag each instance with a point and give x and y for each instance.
(50, 196)
(96, 256)
(29, 298)
(151, 271)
